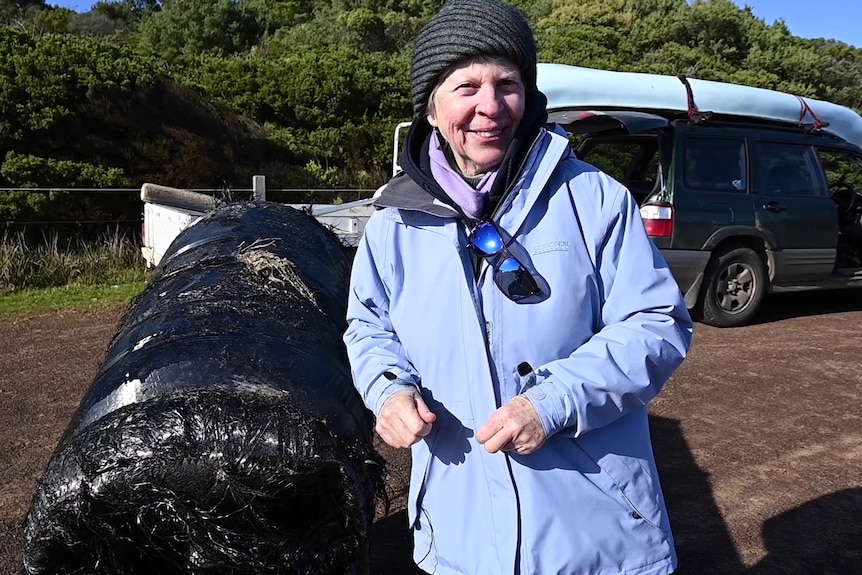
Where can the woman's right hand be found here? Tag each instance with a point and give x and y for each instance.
(404, 419)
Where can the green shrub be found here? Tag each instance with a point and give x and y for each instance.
(32, 171)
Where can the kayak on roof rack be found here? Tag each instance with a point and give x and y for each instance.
(572, 88)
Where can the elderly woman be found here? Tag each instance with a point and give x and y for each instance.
(509, 320)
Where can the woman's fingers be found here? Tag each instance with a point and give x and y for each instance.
(494, 435)
(404, 419)
(515, 427)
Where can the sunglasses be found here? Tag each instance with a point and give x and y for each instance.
(511, 276)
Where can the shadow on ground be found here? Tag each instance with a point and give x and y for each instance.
(823, 536)
(789, 305)
(703, 543)
(391, 547)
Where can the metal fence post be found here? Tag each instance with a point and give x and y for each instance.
(258, 186)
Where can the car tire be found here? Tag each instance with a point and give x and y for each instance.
(734, 287)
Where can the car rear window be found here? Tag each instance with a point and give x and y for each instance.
(632, 161)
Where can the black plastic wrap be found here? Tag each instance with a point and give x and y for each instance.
(222, 433)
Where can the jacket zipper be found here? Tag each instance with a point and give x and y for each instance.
(483, 263)
(511, 187)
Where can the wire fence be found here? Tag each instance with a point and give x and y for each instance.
(131, 222)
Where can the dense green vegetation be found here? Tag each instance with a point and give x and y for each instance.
(204, 93)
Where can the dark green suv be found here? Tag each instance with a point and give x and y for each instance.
(738, 209)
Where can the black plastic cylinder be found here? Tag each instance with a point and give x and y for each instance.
(222, 433)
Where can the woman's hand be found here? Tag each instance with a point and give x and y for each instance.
(404, 419)
(514, 427)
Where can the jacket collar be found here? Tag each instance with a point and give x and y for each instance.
(550, 149)
(403, 193)
(416, 163)
(406, 193)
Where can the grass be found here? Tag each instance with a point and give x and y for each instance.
(74, 297)
(50, 275)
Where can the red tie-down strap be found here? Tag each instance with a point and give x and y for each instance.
(807, 111)
(694, 113)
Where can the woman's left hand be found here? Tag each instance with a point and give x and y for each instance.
(515, 427)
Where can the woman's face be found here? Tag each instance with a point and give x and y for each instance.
(477, 109)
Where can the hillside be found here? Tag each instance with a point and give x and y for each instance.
(162, 133)
(204, 93)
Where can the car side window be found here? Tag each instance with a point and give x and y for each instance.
(843, 170)
(787, 170)
(715, 164)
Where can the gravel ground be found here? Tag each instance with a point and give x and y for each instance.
(758, 437)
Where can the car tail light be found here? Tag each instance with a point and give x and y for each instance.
(658, 220)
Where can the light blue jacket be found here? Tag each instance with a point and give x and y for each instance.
(609, 335)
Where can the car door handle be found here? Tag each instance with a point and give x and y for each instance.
(774, 207)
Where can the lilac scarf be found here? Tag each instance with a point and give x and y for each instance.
(472, 201)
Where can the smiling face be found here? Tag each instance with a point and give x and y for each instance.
(477, 108)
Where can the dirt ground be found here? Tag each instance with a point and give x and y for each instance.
(758, 437)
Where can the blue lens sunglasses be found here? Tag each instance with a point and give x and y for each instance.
(511, 276)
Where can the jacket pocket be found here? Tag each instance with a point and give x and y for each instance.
(629, 482)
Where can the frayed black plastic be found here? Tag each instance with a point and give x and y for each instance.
(222, 433)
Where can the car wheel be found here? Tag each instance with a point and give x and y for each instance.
(735, 285)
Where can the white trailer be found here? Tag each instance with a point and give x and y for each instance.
(168, 211)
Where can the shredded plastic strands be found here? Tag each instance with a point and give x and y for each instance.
(222, 433)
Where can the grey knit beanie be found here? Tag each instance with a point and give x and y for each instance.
(468, 28)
